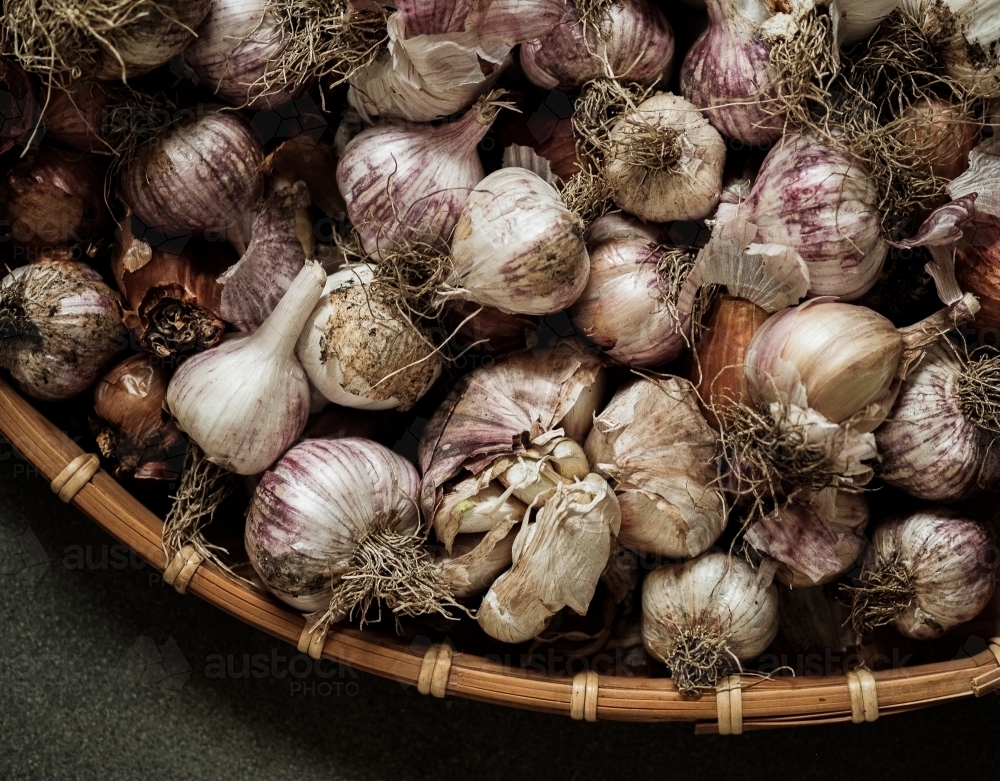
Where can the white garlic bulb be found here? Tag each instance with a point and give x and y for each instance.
(706, 616)
(505, 411)
(654, 444)
(247, 399)
(924, 574)
(666, 161)
(815, 540)
(360, 352)
(557, 561)
(517, 247)
(940, 441)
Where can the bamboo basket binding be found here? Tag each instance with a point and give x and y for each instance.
(740, 703)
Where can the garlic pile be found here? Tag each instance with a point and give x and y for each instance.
(658, 358)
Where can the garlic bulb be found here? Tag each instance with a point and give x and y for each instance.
(923, 574)
(502, 411)
(424, 77)
(816, 540)
(939, 442)
(54, 199)
(60, 326)
(200, 176)
(659, 452)
(516, 246)
(948, 130)
(557, 562)
(359, 351)
(977, 270)
(665, 161)
(821, 203)
(728, 73)
(231, 53)
(706, 616)
(320, 509)
(132, 426)
(632, 41)
(631, 303)
(841, 360)
(99, 39)
(246, 400)
(405, 185)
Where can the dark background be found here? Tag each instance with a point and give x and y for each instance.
(107, 673)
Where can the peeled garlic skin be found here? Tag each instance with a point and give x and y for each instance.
(927, 446)
(623, 308)
(653, 443)
(950, 559)
(688, 189)
(728, 74)
(557, 562)
(638, 47)
(201, 176)
(835, 358)
(353, 341)
(716, 594)
(517, 247)
(310, 510)
(820, 202)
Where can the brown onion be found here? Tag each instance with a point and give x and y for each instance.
(55, 199)
(134, 429)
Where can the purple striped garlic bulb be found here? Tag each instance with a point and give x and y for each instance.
(940, 441)
(631, 40)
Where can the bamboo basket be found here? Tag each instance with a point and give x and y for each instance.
(739, 703)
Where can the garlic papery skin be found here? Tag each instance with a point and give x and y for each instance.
(470, 507)
(231, 52)
(477, 560)
(924, 574)
(820, 202)
(421, 78)
(729, 75)
(246, 400)
(516, 246)
(359, 350)
(934, 445)
(500, 412)
(60, 326)
(406, 184)
(815, 540)
(635, 44)
(310, 512)
(654, 445)
(841, 360)
(705, 617)
(557, 562)
(630, 306)
(665, 161)
(201, 176)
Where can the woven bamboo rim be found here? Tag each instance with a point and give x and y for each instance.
(739, 704)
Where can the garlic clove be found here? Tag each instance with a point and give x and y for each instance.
(477, 560)
(471, 508)
(558, 566)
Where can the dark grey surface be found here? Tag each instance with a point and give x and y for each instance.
(106, 673)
